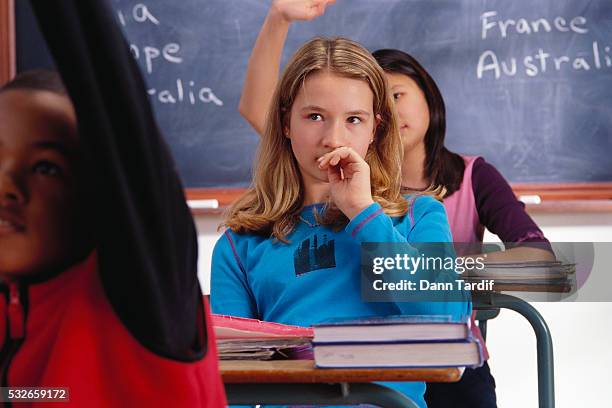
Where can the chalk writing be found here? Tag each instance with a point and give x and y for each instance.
(151, 56)
(497, 65)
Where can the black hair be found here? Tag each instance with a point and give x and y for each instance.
(442, 167)
(37, 80)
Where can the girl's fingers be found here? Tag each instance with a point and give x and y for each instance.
(316, 8)
(348, 171)
(323, 5)
(346, 155)
(342, 154)
(326, 159)
(301, 10)
(352, 168)
(323, 161)
(320, 3)
(333, 174)
(340, 173)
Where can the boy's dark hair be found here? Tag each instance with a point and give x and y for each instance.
(442, 167)
(37, 80)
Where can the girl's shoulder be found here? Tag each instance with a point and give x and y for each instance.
(419, 205)
(239, 243)
(488, 181)
(483, 169)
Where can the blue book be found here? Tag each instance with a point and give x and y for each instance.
(464, 353)
(389, 329)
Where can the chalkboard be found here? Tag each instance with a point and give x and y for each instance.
(527, 85)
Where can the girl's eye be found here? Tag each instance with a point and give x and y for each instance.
(355, 120)
(315, 116)
(397, 95)
(47, 168)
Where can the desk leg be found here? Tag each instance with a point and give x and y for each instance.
(308, 393)
(546, 379)
(482, 325)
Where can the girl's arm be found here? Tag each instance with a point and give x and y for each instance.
(145, 235)
(230, 293)
(264, 63)
(425, 222)
(505, 216)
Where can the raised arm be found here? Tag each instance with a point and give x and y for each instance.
(146, 238)
(264, 63)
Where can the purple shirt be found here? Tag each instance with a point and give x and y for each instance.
(497, 207)
(485, 199)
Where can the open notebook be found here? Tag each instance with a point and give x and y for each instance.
(239, 338)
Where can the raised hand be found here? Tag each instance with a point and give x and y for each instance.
(349, 179)
(299, 10)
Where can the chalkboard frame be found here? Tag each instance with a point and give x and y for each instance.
(7, 40)
(555, 197)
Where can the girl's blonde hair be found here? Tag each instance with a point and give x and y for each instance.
(439, 192)
(272, 204)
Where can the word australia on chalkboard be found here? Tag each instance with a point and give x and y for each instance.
(596, 58)
(527, 84)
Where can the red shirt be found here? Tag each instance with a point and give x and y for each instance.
(67, 335)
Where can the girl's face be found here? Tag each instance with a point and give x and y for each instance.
(412, 110)
(329, 112)
(39, 231)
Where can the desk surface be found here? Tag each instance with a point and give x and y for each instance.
(304, 371)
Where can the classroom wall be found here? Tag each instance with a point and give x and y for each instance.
(582, 335)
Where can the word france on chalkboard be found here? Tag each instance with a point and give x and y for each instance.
(527, 85)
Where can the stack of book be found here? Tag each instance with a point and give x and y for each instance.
(240, 338)
(536, 276)
(395, 341)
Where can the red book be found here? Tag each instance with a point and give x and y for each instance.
(232, 327)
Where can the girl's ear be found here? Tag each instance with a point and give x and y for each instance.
(285, 122)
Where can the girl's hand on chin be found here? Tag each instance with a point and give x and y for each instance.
(349, 180)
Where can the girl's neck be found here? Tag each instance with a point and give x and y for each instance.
(413, 169)
(315, 192)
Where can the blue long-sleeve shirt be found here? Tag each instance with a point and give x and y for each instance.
(317, 275)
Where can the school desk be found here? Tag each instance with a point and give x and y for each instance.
(300, 382)
(487, 305)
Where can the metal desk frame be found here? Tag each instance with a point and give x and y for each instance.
(491, 302)
(323, 394)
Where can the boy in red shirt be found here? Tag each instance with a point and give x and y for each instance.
(98, 250)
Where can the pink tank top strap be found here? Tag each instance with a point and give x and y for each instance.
(461, 208)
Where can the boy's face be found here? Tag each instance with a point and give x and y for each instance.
(39, 223)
